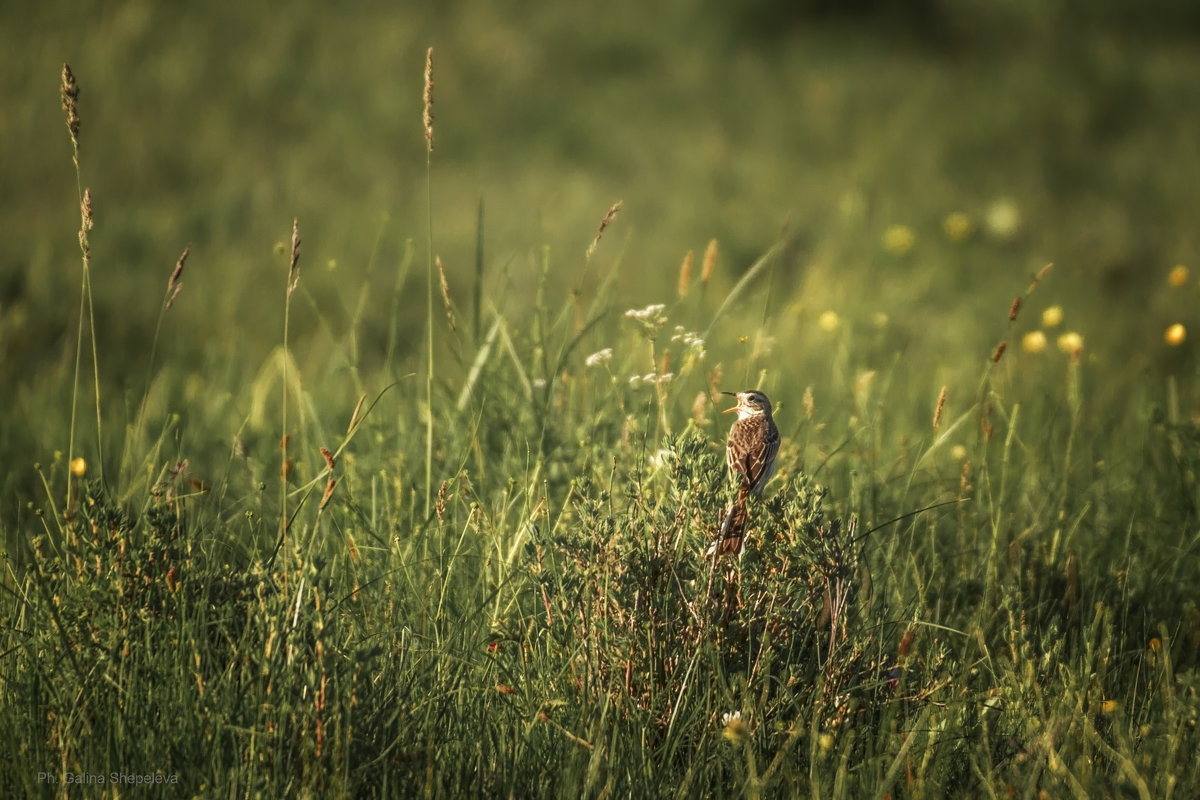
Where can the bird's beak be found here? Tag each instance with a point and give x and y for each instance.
(735, 408)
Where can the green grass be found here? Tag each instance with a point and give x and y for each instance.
(998, 603)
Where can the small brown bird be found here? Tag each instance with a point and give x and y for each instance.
(750, 452)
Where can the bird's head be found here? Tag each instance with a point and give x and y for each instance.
(750, 403)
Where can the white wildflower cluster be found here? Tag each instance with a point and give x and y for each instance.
(690, 340)
(652, 312)
(599, 357)
(651, 318)
(730, 716)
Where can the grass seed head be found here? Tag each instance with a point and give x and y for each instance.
(446, 303)
(604, 223)
(427, 98)
(1041, 273)
(685, 274)
(709, 263)
(69, 92)
(174, 283)
(294, 262)
(86, 224)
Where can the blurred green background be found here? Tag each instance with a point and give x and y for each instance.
(1063, 131)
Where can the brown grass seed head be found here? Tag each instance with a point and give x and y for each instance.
(604, 223)
(70, 103)
(427, 98)
(685, 274)
(937, 411)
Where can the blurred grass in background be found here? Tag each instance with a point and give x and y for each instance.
(217, 126)
(906, 169)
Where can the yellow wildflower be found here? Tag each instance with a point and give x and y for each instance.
(1070, 343)
(899, 240)
(1003, 219)
(1033, 342)
(958, 227)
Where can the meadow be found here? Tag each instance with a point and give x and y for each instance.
(363, 429)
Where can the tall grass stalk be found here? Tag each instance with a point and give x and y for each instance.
(427, 118)
(69, 93)
(293, 279)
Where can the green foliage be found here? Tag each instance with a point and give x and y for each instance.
(371, 539)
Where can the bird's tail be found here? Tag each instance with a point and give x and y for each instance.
(731, 540)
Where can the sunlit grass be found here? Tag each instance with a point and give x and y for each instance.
(492, 580)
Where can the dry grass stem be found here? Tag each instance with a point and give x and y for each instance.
(1014, 309)
(998, 353)
(604, 223)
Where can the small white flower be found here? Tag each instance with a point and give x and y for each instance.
(730, 716)
(651, 311)
(689, 339)
(599, 357)
(635, 381)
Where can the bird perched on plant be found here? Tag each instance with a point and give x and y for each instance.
(750, 452)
